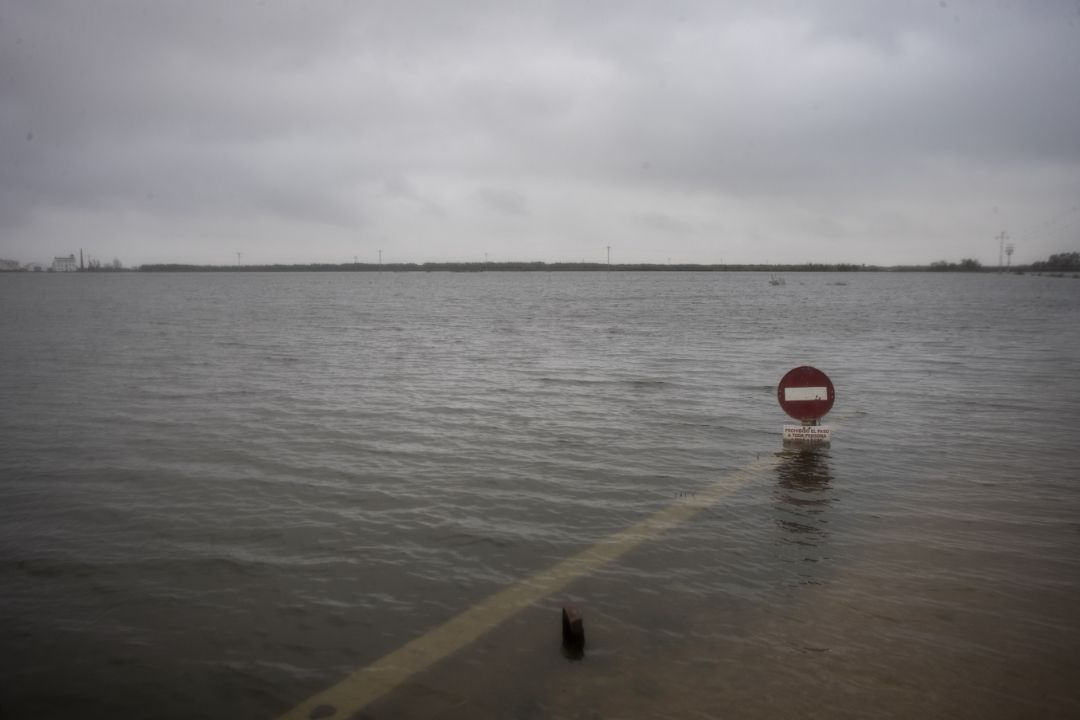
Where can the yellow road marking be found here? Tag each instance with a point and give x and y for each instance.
(372, 682)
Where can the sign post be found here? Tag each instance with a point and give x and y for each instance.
(806, 394)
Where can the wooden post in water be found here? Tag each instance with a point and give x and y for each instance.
(573, 633)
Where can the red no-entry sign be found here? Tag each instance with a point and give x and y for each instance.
(806, 393)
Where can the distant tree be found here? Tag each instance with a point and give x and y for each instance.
(1061, 262)
(965, 265)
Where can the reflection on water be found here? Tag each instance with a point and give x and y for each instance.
(802, 499)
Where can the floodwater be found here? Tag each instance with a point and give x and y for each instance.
(221, 494)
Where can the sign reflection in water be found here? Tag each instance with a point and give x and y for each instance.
(803, 496)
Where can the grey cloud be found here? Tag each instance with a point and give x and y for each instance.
(504, 201)
(391, 120)
(663, 223)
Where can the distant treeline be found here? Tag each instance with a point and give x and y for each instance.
(1062, 262)
(503, 267)
(965, 265)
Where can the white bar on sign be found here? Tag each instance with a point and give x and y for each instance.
(806, 393)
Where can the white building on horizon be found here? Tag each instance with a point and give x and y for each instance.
(65, 264)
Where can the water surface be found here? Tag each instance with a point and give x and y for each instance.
(221, 493)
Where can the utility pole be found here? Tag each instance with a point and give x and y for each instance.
(608, 257)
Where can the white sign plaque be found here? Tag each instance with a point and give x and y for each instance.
(808, 433)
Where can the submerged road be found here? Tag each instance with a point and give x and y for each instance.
(370, 683)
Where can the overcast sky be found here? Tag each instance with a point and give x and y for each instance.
(701, 131)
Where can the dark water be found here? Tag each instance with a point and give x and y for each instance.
(220, 494)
